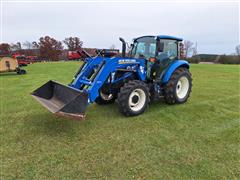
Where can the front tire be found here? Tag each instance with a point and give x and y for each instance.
(105, 98)
(178, 88)
(133, 98)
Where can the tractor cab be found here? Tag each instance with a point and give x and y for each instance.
(159, 51)
(159, 47)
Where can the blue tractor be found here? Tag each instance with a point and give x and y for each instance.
(152, 69)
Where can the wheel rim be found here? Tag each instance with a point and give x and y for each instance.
(106, 97)
(182, 87)
(137, 100)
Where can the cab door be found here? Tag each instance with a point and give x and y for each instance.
(167, 52)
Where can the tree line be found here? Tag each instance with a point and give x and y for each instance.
(45, 48)
(48, 48)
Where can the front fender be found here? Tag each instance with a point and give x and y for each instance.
(172, 67)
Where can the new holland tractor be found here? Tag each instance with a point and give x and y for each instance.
(152, 69)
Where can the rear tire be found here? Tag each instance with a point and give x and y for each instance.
(133, 98)
(178, 88)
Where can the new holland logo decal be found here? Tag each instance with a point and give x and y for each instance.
(127, 61)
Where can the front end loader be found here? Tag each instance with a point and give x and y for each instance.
(152, 69)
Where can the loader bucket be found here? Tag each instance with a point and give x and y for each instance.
(62, 100)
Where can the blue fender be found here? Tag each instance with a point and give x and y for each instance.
(172, 67)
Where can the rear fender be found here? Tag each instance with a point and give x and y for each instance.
(172, 67)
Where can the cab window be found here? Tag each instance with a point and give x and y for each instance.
(167, 49)
(144, 47)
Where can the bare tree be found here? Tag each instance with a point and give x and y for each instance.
(112, 46)
(16, 47)
(19, 45)
(28, 45)
(181, 50)
(73, 43)
(35, 45)
(238, 50)
(194, 50)
(188, 47)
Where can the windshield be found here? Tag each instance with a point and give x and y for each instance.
(144, 47)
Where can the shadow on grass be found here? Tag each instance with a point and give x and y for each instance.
(46, 123)
(8, 74)
(52, 125)
(111, 111)
(159, 104)
(99, 112)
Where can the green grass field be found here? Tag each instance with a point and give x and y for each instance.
(196, 140)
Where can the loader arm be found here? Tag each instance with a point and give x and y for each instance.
(72, 100)
(95, 73)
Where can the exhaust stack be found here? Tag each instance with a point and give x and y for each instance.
(123, 47)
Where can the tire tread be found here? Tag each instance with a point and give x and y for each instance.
(169, 89)
(124, 93)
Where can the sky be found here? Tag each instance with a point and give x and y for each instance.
(213, 26)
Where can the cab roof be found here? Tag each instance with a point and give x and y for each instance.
(169, 37)
(163, 37)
